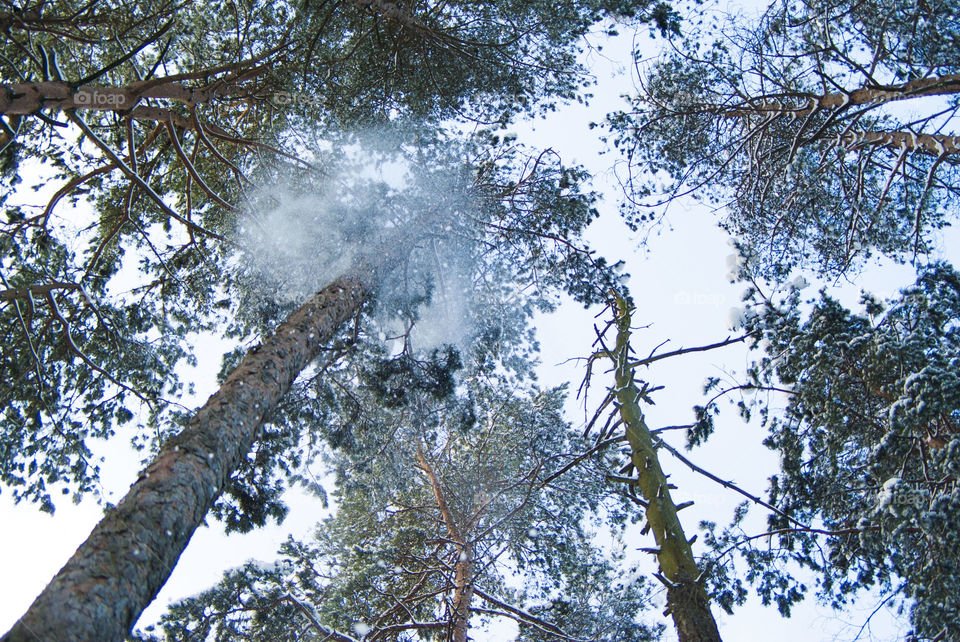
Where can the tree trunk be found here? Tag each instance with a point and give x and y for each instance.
(462, 594)
(687, 600)
(19, 100)
(26, 98)
(463, 569)
(119, 569)
(934, 144)
(938, 86)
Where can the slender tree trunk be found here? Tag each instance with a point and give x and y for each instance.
(687, 600)
(933, 144)
(938, 86)
(25, 98)
(119, 569)
(463, 569)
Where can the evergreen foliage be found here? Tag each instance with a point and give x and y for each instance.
(384, 566)
(823, 129)
(868, 442)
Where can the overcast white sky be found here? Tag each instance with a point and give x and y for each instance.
(681, 290)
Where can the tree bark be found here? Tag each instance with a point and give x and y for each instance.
(101, 591)
(938, 86)
(26, 98)
(463, 593)
(687, 600)
(933, 144)
(463, 569)
(23, 99)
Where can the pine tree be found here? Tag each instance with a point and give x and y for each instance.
(824, 128)
(824, 134)
(204, 456)
(473, 511)
(687, 600)
(187, 107)
(869, 449)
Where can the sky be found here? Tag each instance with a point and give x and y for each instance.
(678, 281)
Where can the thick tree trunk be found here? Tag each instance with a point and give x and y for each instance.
(19, 100)
(463, 594)
(687, 600)
(119, 569)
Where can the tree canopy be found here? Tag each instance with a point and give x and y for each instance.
(824, 135)
(332, 187)
(169, 171)
(185, 117)
(867, 488)
(823, 129)
(448, 501)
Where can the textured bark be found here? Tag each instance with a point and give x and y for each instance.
(396, 13)
(22, 99)
(939, 86)
(30, 97)
(933, 144)
(101, 591)
(687, 601)
(463, 569)
(36, 290)
(462, 594)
